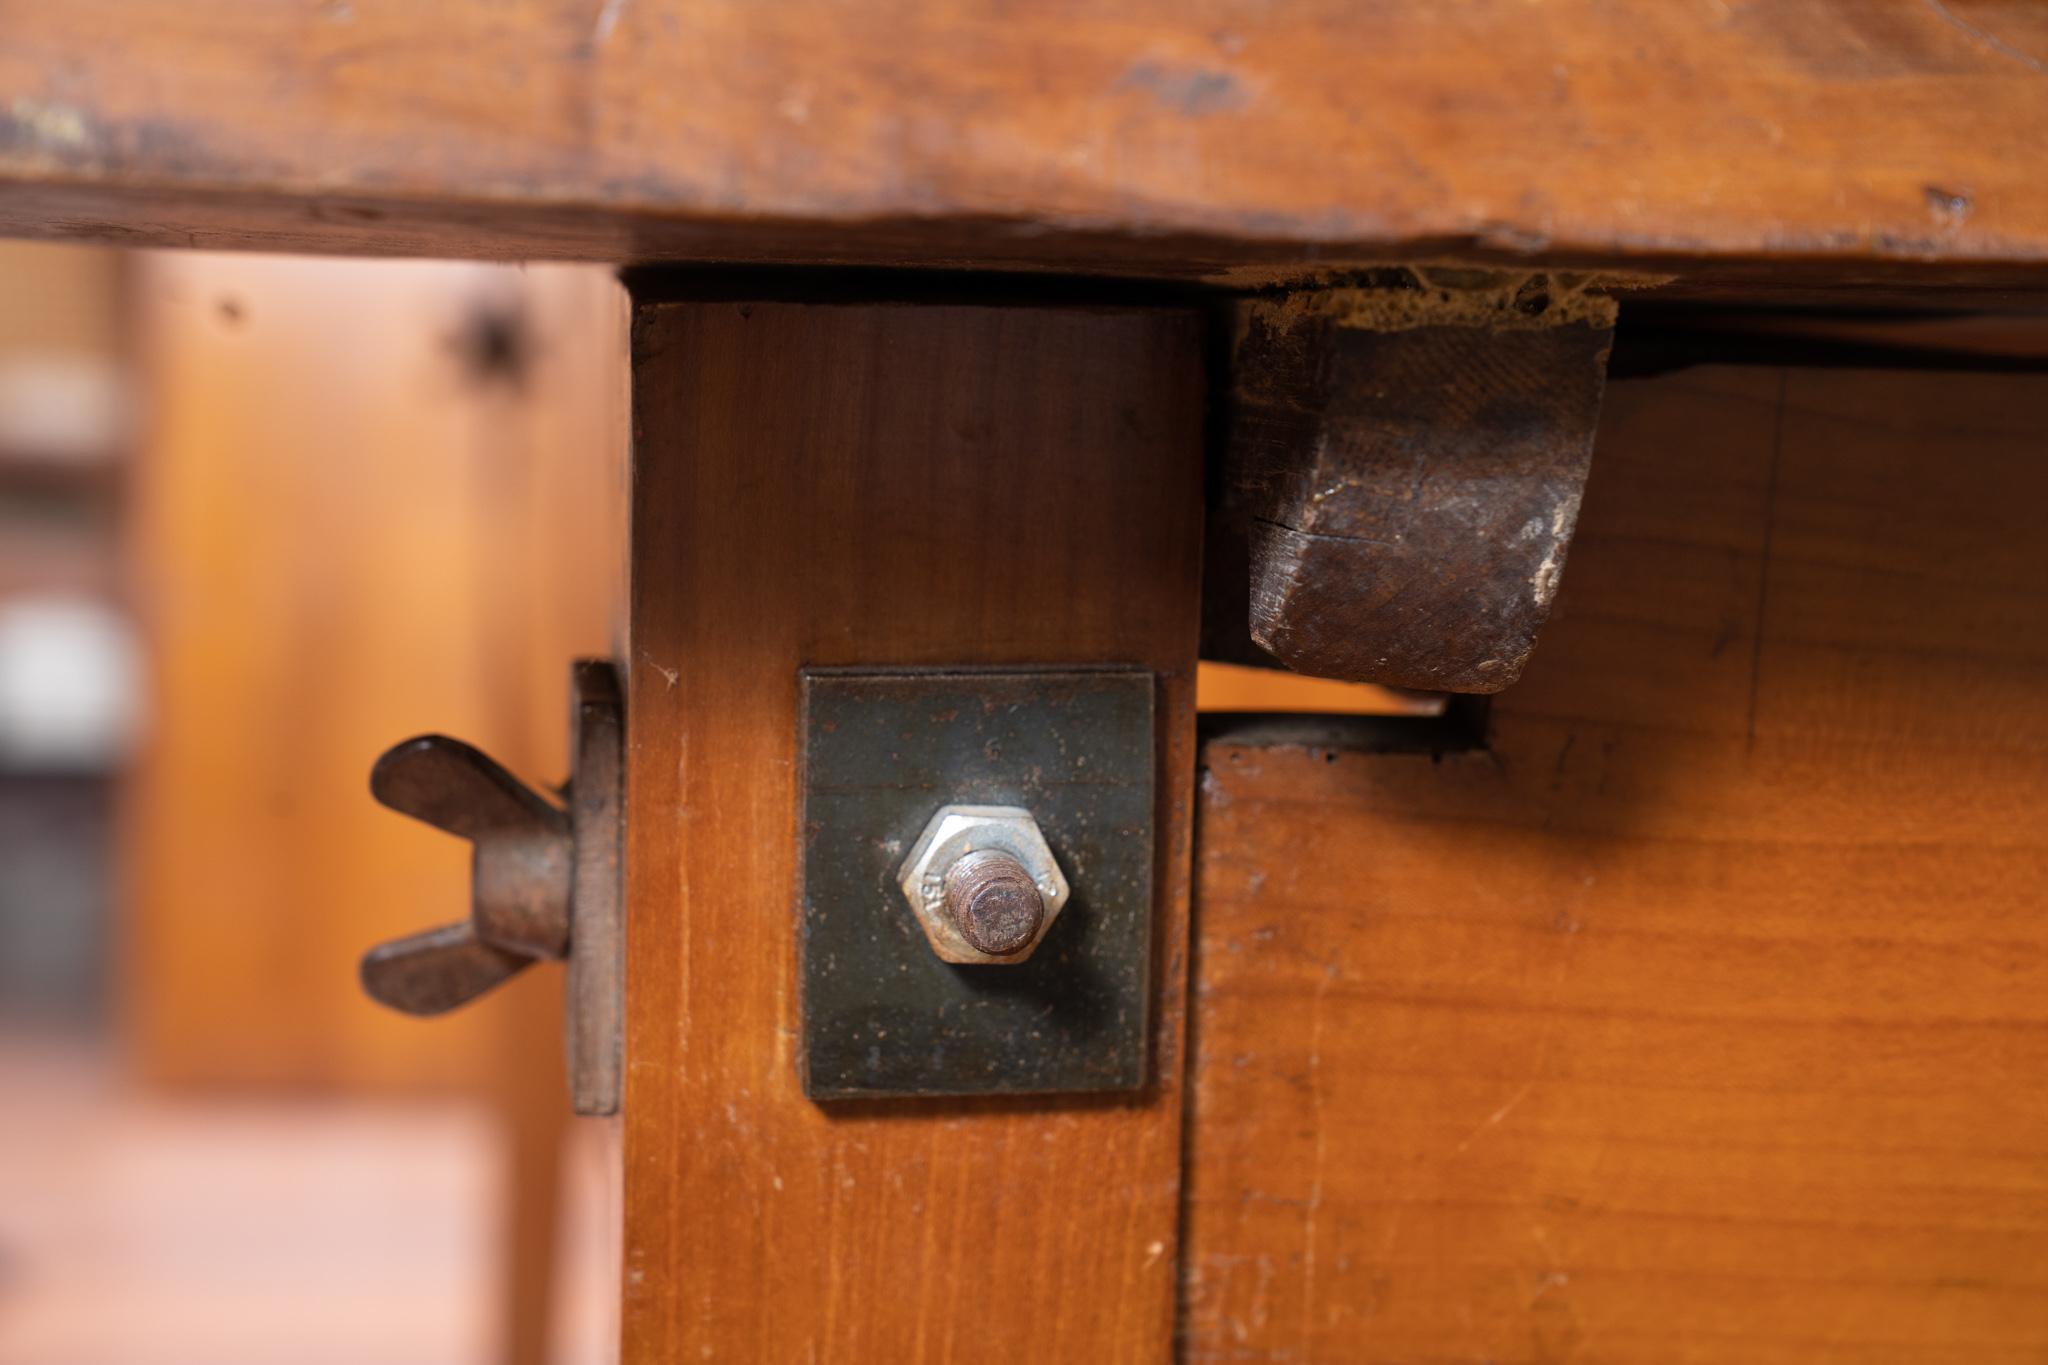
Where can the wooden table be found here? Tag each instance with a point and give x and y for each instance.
(1689, 1005)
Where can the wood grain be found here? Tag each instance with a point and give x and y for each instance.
(882, 485)
(1704, 1019)
(1226, 138)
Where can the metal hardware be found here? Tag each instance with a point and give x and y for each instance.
(594, 1010)
(983, 884)
(994, 904)
(544, 881)
(1001, 785)
(519, 876)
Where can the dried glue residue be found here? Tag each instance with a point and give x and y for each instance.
(1401, 298)
(1449, 296)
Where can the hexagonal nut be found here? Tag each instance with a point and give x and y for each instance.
(951, 835)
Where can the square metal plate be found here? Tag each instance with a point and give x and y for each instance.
(882, 1015)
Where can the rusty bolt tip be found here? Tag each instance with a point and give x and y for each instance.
(953, 835)
(993, 902)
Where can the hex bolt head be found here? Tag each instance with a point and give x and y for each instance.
(993, 902)
(983, 884)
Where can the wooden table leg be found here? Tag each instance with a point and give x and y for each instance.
(884, 484)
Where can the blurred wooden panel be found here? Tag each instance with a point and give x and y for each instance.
(374, 500)
(63, 411)
(64, 299)
(1705, 1018)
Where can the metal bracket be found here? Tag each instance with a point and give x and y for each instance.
(883, 1012)
(594, 1011)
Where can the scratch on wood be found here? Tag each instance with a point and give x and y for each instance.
(671, 675)
(607, 20)
(1493, 1120)
(1990, 40)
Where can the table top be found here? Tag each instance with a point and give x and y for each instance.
(1828, 143)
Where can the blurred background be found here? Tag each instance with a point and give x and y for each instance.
(260, 518)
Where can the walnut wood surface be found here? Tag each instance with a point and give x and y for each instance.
(1228, 138)
(875, 484)
(1705, 1018)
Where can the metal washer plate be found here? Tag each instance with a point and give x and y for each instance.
(881, 752)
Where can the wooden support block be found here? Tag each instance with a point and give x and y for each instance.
(1704, 1017)
(868, 483)
(1402, 475)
